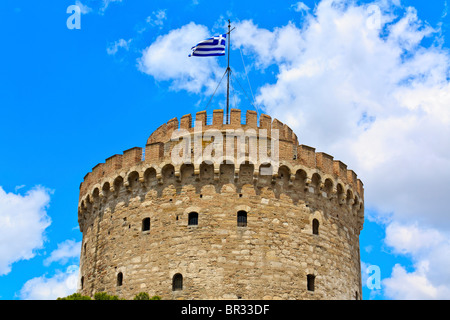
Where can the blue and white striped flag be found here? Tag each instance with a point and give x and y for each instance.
(214, 46)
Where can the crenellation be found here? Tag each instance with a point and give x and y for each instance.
(200, 118)
(158, 135)
(306, 155)
(251, 119)
(352, 178)
(85, 183)
(186, 122)
(98, 172)
(295, 140)
(131, 157)
(360, 188)
(217, 118)
(113, 163)
(278, 125)
(265, 122)
(154, 152)
(235, 118)
(340, 169)
(287, 132)
(324, 162)
(172, 125)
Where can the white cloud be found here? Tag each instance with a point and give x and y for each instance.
(411, 239)
(255, 40)
(65, 251)
(300, 7)
(445, 10)
(379, 102)
(430, 251)
(23, 221)
(17, 188)
(403, 285)
(61, 284)
(121, 43)
(166, 59)
(157, 18)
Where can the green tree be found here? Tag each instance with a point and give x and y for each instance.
(75, 296)
(104, 296)
(142, 296)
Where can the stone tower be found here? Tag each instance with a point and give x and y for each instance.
(173, 222)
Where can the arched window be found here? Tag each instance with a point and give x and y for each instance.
(146, 224)
(119, 279)
(177, 282)
(310, 279)
(242, 219)
(315, 226)
(193, 219)
(82, 283)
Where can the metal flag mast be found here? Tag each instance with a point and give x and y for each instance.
(228, 73)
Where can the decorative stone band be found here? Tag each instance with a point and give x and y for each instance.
(298, 178)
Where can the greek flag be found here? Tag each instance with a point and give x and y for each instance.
(214, 46)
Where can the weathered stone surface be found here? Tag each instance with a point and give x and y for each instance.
(269, 258)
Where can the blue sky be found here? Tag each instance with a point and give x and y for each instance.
(365, 81)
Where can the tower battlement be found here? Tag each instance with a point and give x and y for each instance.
(218, 121)
(302, 186)
(158, 149)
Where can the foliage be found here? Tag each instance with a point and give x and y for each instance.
(145, 296)
(75, 296)
(142, 296)
(104, 296)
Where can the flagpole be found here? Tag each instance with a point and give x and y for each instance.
(228, 73)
